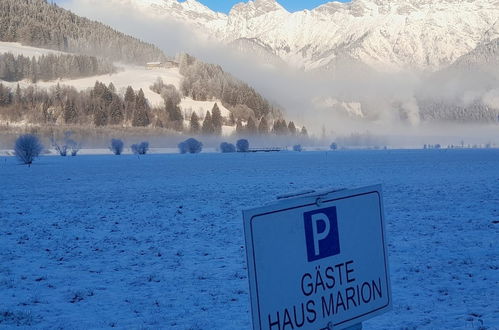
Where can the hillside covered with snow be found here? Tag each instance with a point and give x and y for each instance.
(387, 35)
(60, 68)
(137, 77)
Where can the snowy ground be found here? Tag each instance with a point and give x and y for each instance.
(157, 242)
(128, 75)
(18, 49)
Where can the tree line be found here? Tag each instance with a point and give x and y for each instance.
(103, 106)
(51, 66)
(99, 106)
(444, 110)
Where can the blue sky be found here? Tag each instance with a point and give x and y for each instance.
(226, 5)
(291, 5)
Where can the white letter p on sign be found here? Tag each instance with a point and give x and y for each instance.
(316, 218)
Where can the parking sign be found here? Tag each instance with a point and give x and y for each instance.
(318, 261)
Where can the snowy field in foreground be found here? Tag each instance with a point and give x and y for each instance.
(157, 242)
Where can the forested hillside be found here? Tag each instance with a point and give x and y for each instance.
(90, 49)
(103, 106)
(52, 66)
(203, 81)
(40, 24)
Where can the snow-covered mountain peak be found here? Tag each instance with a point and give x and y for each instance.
(189, 11)
(256, 8)
(196, 6)
(387, 35)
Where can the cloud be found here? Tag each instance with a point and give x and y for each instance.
(384, 103)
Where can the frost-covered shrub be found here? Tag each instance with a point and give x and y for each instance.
(226, 147)
(61, 149)
(182, 147)
(242, 145)
(191, 146)
(117, 146)
(333, 146)
(73, 146)
(297, 147)
(67, 144)
(27, 148)
(140, 149)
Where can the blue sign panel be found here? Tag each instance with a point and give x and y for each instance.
(321, 233)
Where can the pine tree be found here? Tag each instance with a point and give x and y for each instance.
(195, 127)
(172, 100)
(178, 123)
(5, 95)
(217, 120)
(284, 127)
(130, 95)
(70, 115)
(100, 115)
(106, 96)
(291, 128)
(279, 127)
(141, 113)
(263, 127)
(129, 103)
(116, 111)
(208, 128)
(304, 131)
(58, 94)
(174, 115)
(34, 70)
(18, 97)
(251, 126)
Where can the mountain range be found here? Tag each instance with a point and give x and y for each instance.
(385, 35)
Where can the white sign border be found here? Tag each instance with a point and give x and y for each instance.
(306, 201)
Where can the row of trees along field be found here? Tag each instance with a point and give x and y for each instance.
(99, 106)
(40, 24)
(103, 105)
(52, 66)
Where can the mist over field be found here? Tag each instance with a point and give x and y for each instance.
(351, 99)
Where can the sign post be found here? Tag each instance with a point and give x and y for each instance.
(318, 261)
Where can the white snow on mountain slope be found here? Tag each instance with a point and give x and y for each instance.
(190, 11)
(386, 35)
(135, 76)
(18, 49)
(200, 107)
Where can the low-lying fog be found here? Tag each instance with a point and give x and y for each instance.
(331, 104)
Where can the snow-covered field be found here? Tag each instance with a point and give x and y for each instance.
(157, 242)
(18, 49)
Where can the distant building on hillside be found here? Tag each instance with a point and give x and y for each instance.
(166, 64)
(152, 65)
